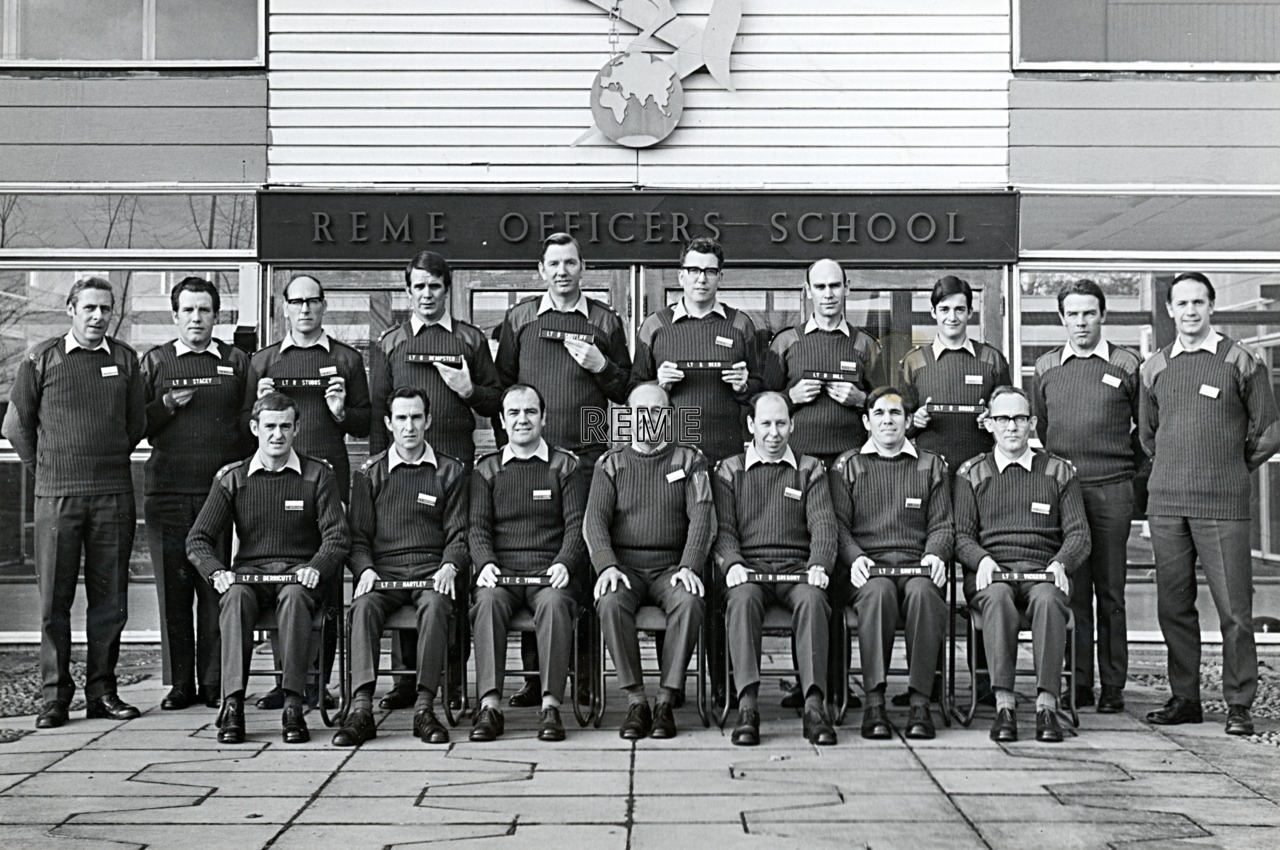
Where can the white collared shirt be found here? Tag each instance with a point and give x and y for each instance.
(542, 453)
(288, 342)
(679, 311)
(294, 463)
(73, 344)
(1210, 345)
(812, 325)
(871, 448)
(212, 348)
(581, 306)
(939, 347)
(416, 324)
(394, 458)
(1102, 349)
(1003, 462)
(753, 457)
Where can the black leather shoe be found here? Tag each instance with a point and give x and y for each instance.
(1005, 728)
(1084, 697)
(295, 725)
(231, 722)
(455, 697)
(549, 726)
(920, 724)
(271, 700)
(794, 698)
(664, 721)
(1111, 701)
(210, 695)
(1047, 729)
(397, 698)
(1176, 712)
(428, 728)
(488, 725)
(178, 698)
(53, 715)
(529, 695)
(1239, 721)
(817, 728)
(875, 723)
(313, 698)
(747, 732)
(679, 700)
(109, 707)
(358, 728)
(638, 724)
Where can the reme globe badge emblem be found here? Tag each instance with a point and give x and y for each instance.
(637, 98)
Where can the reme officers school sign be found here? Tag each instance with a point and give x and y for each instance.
(640, 227)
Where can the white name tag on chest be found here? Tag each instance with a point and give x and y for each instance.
(1208, 391)
(328, 371)
(426, 499)
(848, 365)
(110, 371)
(1041, 508)
(724, 342)
(973, 380)
(791, 493)
(226, 370)
(675, 476)
(542, 495)
(913, 503)
(293, 504)
(1111, 380)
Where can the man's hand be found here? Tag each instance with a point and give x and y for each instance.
(669, 375)
(266, 385)
(735, 376)
(443, 580)
(818, 577)
(986, 569)
(805, 391)
(845, 393)
(174, 399)
(690, 580)
(860, 570)
(222, 580)
(1060, 577)
(587, 355)
(336, 397)
(937, 569)
(608, 581)
(982, 412)
(559, 575)
(309, 577)
(488, 576)
(921, 417)
(737, 575)
(458, 380)
(364, 584)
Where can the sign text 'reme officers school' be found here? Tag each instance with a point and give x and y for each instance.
(640, 227)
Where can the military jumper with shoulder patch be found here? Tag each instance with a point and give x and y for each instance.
(958, 377)
(893, 510)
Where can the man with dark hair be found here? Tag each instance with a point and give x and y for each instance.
(892, 504)
(1018, 512)
(194, 387)
(75, 414)
(526, 522)
(1208, 419)
(288, 518)
(775, 516)
(1086, 406)
(649, 525)
(408, 523)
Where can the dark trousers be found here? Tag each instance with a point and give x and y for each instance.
(1223, 547)
(1109, 508)
(1000, 605)
(617, 611)
(295, 608)
(810, 617)
(101, 529)
(368, 616)
(190, 646)
(881, 603)
(492, 609)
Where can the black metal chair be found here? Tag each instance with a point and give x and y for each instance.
(651, 618)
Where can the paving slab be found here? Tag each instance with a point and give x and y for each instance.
(727, 808)
(1234, 838)
(1016, 780)
(50, 837)
(997, 808)
(933, 808)
(1160, 785)
(131, 761)
(28, 762)
(307, 837)
(926, 836)
(33, 810)
(164, 836)
(1206, 811)
(1079, 836)
(463, 783)
(470, 809)
(721, 836)
(211, 810)
(41, 742)
(720, 782)
(279, 758)
(998, 758)
(234, 783)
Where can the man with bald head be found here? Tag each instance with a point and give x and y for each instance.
(775, 518)
(649, 525)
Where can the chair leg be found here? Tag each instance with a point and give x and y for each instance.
(322, 685)
(1071, 688)
(700, 687)
(601, 682)
(344, 671)
(967, 718)
(447, 689)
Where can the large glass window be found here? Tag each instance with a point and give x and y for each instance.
(1173, 32)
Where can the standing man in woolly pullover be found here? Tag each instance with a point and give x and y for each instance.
(892, 505)
(408, 523)
(1020, 511)
(1208, 420)
(194, 386)
(774, 512)
(649, 525)
(1086, 406)
(286, 512)
(75, 414)
(526, 523)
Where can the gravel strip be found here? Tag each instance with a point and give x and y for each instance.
(20, 679)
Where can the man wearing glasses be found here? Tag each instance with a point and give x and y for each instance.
(1020, 512)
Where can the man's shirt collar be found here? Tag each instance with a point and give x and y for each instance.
(812, 325)
(542, 453)
(939, 347)
(1210, 345)
(580, 307)
(678, 310)
(73, 344)
(1003, 462)
(753, 457)
(394, 458)
(288, 342)
(870, 448)
(416, 324)
(182, 348)
(1102, 349)
(294, 463)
